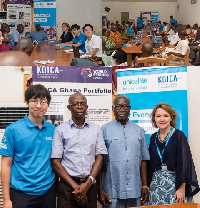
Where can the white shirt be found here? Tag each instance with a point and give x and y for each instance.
(165, 28)
(173, 38)
(95, 42)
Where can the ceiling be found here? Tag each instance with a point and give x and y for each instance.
(141, 0)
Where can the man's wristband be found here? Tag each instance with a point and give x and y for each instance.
(146, 187)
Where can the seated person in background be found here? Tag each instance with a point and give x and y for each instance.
(4, 46)
(16, 34)
(37, 35)
(188, 30)
(67, 35)
(130, 31)
(93, 44)
(173, 36)
(181, 48)
(110, 45)
(5, 28)
(116, 36)
(194, 49)
(79, 39)
(147, 49)
(25, 45)
(160, 26)
(122, 31)
(165, 27)
(194, 31)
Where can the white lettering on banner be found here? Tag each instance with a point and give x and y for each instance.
(47, 70)
(39, 5)
(40, 19)
(41, 15)
(152, 83)
(148, 127)
(140, 115)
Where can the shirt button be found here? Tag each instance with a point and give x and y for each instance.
(126, 148)
(126, 183)
(83, 158)
(127, 161)
(126, 172)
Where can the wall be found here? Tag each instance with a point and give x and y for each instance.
(79, 12)
(165, 9)
(188, 13)
(12, 83)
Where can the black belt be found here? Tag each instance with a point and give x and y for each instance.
(77, 179)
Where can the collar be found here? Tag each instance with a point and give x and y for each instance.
(119, 124)
(71, 123)
(30, 124)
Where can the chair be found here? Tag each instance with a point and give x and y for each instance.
(149, 61)
(76, 52)
(173, 60)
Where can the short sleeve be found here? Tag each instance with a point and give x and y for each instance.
(185, 171)
(100, 145)
(7, 143)
(145, 151)
(57, 144)
(97, 43)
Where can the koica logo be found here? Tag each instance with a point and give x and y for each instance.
(47, 70)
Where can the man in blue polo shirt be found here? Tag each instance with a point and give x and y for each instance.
(26, 174)
(79, 38)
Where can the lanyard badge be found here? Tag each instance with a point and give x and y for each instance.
(160, 153)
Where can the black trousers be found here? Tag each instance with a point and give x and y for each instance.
(67, 200)
(22, 200)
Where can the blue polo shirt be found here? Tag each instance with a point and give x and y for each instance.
(130, 31)
(173, 21)
(127, 148)
(139, 22)
(160, 27)
(30, 148)
(80, 39)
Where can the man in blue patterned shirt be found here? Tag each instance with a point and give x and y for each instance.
(124, 174)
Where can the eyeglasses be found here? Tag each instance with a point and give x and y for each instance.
(78, 104)
(35, 102)
(118, 107)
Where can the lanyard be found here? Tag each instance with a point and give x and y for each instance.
(168, 138)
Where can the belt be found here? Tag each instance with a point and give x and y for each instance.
(76, 179)
(79, 180)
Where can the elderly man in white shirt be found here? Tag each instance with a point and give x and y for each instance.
(93, 44)
(181, 48)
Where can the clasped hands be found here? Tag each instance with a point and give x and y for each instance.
(80, 192)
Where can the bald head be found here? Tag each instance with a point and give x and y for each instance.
(120, 97)
(182, 34)
(25, 45)
(77, 94)
(147, 49)
(15, 58)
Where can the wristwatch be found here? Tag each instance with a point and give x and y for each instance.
(92, 179)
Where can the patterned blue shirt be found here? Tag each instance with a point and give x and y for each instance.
(80, 39)
(126, 147)
(77, 146)
(37, 35)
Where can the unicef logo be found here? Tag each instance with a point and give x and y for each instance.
(86, 72)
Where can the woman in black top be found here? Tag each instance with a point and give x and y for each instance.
(174, 178)
(67, 35)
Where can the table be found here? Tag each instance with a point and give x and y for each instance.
(137, 49)
(44, 51)
(179, 205)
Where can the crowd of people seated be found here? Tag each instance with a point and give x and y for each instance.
(179, 40)
(87, 42)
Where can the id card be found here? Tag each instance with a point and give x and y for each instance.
(164, 167)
